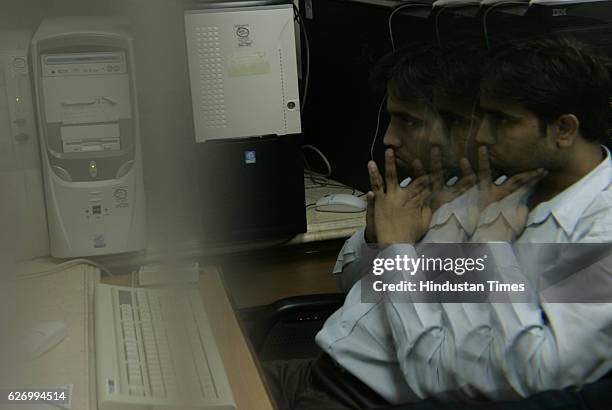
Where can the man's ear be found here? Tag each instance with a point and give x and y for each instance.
(566, 130)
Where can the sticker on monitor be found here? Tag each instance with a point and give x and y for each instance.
(250, 157)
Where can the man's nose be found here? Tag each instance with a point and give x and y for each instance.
(485, 135)
(391, 138)
(439, 135)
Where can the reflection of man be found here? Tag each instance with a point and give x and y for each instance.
(407, 77)
(545, 106)
(414, 128)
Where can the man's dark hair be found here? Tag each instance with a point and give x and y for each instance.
(460, 72)
(408, 73)
(550, 77)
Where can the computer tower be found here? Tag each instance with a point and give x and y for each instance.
(83, 70)
(20, 167)
(251, 189)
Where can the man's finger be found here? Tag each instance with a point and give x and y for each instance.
(370, 200)
(466, 168)
(464, 184)
(468, 177)
(376, 181)
(436, 167)
(390, 171)
(484, 168)
(524, 178)
(418, 169)
(422, 197)
(417, 186)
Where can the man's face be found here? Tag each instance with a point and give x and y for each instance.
(516, 139)
(461, 122)
(413, 130)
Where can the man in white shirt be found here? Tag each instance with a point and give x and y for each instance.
(414, 128)
(544, 104)
(357, 325)
(408, 352)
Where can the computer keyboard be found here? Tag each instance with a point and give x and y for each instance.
(155, 349)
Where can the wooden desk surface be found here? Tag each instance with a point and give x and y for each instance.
(242, 371)
(322, 226)
(241, 367)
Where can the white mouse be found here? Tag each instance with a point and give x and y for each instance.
(340, 203)
(43, 336)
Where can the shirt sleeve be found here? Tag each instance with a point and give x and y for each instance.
(507, 350)
(352, 262)
(424, 345)
(540, 343)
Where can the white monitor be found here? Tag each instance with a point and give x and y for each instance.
(242, 70)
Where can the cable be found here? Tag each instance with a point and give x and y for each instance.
(323, 157)
(63, 266)
(328, 184)
(384, 99)
(395, 10)
(382, 102)
(298, 18)
(437, 26)
(486, 13)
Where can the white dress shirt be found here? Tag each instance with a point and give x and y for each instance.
(357, 336)
(453, 222)
(497, 350)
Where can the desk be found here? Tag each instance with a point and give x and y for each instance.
(255, 277)
(323, 226)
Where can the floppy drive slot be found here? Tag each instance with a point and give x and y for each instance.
(91, 138)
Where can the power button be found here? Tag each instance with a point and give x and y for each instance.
(93, 169)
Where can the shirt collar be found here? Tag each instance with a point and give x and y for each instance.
(462, 207)
(568, 206)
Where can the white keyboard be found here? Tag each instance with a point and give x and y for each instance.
(155, 349)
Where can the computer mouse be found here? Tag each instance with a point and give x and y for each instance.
(340, 203)
(42, 337)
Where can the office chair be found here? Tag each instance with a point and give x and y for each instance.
(285, 330)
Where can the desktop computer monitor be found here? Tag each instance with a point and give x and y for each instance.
(251, 189)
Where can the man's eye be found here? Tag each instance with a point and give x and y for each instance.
(409, 122)
(500, 119)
